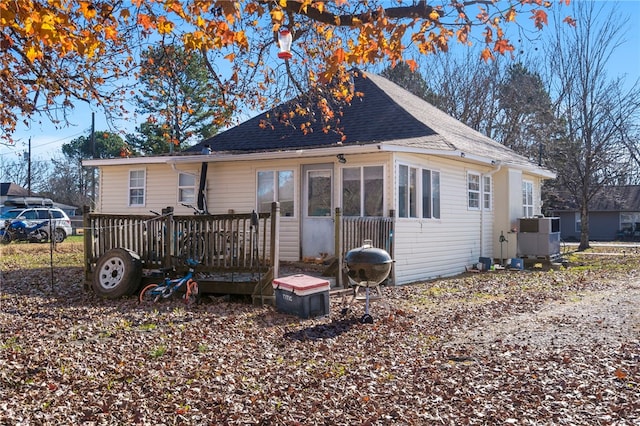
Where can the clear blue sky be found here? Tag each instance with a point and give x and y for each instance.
(46, 140)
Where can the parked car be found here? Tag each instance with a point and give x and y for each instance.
(61, 225)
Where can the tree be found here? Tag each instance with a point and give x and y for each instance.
(526, 118)
(597, 112)
(107, 145)
(181, 103)
(56, 52)
(68, 184)
(18, 172)
(104, 145)
(410, 80)
(465, 88)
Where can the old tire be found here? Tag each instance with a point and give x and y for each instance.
(118, 273)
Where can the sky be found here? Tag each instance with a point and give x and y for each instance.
(46, 139)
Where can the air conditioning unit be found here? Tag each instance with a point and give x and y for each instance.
(539, 237)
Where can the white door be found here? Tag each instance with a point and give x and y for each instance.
(317, 210)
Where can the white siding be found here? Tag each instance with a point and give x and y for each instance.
(424, 248)
(430, 248)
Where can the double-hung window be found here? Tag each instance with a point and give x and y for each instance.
(527, 198)
(276, 185)
(486, 192)
(473, 191)
(137, 182)
(362, 191)
(186, 188)
(418, 192)
(430, 194)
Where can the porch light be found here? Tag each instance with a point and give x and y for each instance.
(284, 40)
(341, 158)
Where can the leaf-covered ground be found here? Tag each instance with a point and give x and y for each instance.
(532, 347)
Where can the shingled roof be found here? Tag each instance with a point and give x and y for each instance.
(623, 198)
(11, 189)
(386, 113)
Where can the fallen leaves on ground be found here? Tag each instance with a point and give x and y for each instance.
(530, 347)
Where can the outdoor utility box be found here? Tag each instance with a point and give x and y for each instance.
(302, 295)
(539, 237)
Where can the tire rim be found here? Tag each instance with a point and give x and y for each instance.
(111, 273)
(58, 235)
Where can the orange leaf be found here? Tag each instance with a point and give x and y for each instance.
(569, 20)
(486, 54)
(87, 9)
(539, 18)
(145, 21)
(511, 15)
(620, 374)
(502, 46)
(413, 65)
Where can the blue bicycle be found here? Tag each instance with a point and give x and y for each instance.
(154, 292)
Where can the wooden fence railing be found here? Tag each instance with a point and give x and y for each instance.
(351, 232)
(221, 243)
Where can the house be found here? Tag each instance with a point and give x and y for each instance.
(453, 192)
(614, 214)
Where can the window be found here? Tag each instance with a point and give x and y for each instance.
(136, 187)
(486, 192)
(362, 191)
(275, 186)
(430, 194)
(578, 217)
(413, 181)
(186, 188)
(473, 190)
(527, 198)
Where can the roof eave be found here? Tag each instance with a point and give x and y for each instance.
(464, 156)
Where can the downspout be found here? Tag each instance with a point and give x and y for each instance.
(498, 165)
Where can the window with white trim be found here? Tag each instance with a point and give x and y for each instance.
(137, 183)
(473, 190)
(362, 191)
(275, 185)
(527, 198)
(418, 192)
(186, 188)
(430, 194)
(486, 192)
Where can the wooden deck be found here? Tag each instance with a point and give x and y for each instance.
(238, 253)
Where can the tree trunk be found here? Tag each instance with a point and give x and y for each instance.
(584, 228)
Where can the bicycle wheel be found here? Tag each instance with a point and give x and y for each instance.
(147, 296)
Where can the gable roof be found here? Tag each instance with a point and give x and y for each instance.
(386, 114)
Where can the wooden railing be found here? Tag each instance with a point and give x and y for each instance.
(221, 243)
(351, 232)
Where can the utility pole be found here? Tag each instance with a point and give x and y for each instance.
(29, 169)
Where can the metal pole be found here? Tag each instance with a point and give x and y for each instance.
(29, 170)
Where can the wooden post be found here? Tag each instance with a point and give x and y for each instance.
(275, 238)
(168, 237)
(338, 245)
(87, 236)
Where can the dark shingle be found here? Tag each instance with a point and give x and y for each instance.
(375, 117)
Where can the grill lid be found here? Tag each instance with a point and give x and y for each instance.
(367, 264)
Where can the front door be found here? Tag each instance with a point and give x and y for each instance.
(317, 210)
